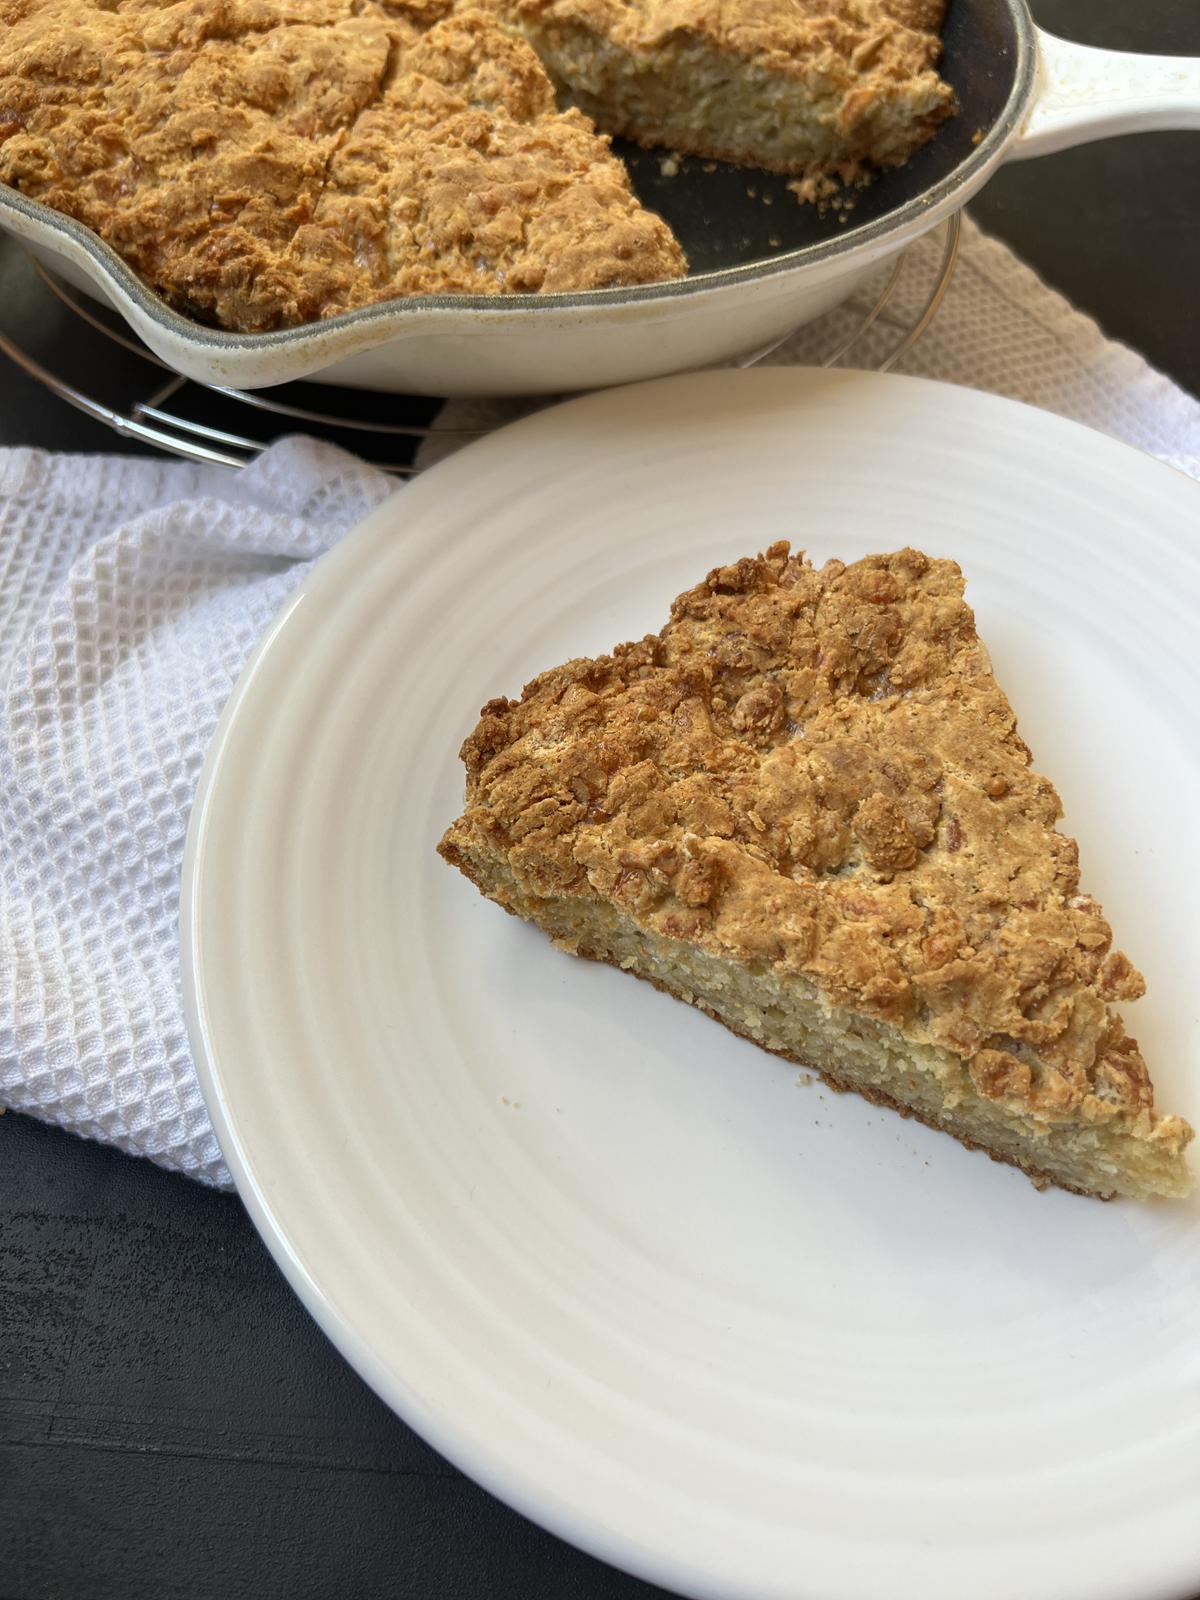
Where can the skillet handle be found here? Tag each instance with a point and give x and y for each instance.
(1085, 94)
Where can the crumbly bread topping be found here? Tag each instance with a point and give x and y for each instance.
(264, 163)
(815, 771)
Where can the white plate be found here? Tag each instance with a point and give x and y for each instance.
(742, 1337)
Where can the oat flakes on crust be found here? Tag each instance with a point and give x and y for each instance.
(817, 771)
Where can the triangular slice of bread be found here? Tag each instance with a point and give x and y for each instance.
(805, 808)
(820, 89)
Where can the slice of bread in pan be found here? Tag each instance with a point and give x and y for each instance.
(804, 807)
(822, 89)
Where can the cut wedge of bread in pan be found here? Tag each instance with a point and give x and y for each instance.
(821, 89)
(804, 807)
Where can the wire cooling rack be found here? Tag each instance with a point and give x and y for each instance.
(141, 398)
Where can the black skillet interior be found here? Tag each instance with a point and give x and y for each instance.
(728, 216)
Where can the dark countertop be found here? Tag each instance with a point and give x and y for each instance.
(172, 1424)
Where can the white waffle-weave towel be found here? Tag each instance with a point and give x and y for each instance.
(131, 593)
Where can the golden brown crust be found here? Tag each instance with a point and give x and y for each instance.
(266, 162)
(816, 771)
